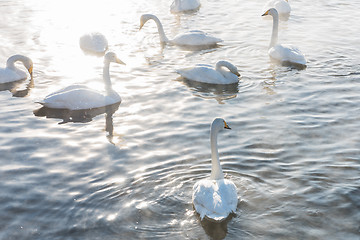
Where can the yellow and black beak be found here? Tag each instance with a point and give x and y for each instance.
(266, 13)
(141, 25)
(31, 71)
(226, 126)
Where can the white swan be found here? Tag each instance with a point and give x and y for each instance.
(282, 6)
(215, 198)
(12, 73)
(193, 38)
(184, 5)
(207, 74)
(286, 54)
(78, 97)
(94, 43)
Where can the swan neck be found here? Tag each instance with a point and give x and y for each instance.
(161, 31)
(10, 63)
(275, 29)
(216, 171)
(106, 77)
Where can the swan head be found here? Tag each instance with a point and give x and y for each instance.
(229, 66)
(144, 18)
(219, 124)
(29, 66)
(272, 11)
(111, 57)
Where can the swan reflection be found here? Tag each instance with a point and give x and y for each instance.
(219, 92)
(81, 116)
(14, 87)
(215, 230)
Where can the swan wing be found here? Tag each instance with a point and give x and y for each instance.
(195, 38)
(202, 73)
(215, 199)
(79, 98)
(9, 75)
(287, 53)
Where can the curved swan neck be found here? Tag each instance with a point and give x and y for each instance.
(10, 63)
(163, 37)
(106, 77)
(216, 171)
(275, 29)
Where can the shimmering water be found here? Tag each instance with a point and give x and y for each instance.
(293, 151)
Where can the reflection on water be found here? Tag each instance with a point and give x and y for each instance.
(219, 92)
(293, 153)
(15, 87)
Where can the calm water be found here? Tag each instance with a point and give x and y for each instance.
(293, 151)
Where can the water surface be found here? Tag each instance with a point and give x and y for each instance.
(293, 151)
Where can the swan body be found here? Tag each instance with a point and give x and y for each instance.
(184, 5)
(286, 54)
(94, 42)
(11, 73)
(207, 74)
(215, 198)
(193, 38)
(282, 6)
(78, 97)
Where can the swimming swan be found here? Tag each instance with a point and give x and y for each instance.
(282, 6)
(77, 97)
(12, 73)
(184, 5)
(193, 38)
(94, 43)
(286, 54)
(207, 74)
(215, 198)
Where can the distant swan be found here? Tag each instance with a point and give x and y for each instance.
(215, 198)
(193, 38)
(282, 6)
(184, 5)
(286, 54)
(207, 74)
(94, 43)
(78, 97)
(12, 73)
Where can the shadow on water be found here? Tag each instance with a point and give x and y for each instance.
(215, 230)
(78, 116)
(219, 92)
(14, 86)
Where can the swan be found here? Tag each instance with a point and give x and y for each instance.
(282, 6)
(194, 38)
(78, 97)
(12, 73)
(207, 74)
(94, 43)
(215, 198)
(286, 54)
(184, 5)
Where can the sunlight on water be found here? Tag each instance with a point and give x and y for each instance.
(127, 171)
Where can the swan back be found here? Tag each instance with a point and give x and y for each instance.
(94, 42)
(184, 5)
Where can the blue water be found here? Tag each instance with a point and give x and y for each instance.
(293, 151)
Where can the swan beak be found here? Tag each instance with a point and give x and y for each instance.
(141, 25)
(31, 71)
(266, 13)
(120, 62)
(237, 74)
(226, 126)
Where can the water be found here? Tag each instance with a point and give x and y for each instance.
(293, 151)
